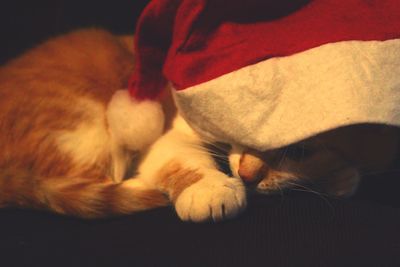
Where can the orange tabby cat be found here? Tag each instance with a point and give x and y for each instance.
(331, 162)
(57, 138)
(59, 151)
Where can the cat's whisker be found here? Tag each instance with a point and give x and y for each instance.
(280, 191)
(220, 146)
(302, 151)
(201, 149)
(323, 146)
(283, 157)
(309, 190)
(198, 146)
(305, 187)
(220, 157)
(393, 171)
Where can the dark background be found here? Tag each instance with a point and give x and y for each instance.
(297, 229)
(25, 23)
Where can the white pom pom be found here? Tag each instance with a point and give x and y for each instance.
(134, 124)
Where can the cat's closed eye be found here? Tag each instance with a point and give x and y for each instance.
(298, 152)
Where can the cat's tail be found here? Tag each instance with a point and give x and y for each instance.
(80, 197)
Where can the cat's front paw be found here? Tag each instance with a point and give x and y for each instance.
(211, 198)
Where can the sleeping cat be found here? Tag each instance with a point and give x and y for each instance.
(58, 147)
(59, 152)
(330, 163)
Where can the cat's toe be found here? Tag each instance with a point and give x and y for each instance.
(212, 198)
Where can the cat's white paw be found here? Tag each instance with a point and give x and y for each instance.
(212, 198)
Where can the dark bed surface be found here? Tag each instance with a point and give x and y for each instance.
(297, 229)
(294, 230)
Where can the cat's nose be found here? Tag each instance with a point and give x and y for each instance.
(252, 177)
(252, 169)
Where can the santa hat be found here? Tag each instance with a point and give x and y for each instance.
(269, 73)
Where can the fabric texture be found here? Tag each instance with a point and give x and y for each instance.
(306, 95)
(265, 74)
(292, 230)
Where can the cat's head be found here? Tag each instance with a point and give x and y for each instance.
(294, 167)
(330, 163)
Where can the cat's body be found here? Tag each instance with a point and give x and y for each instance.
(58, 151)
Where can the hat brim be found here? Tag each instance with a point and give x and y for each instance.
(282, 100)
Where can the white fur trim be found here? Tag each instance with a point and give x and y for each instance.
(283, 100)
(134, 124)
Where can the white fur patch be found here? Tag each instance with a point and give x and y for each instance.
(179, 144)
(90, 139)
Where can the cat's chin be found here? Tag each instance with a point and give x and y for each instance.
(269, 192)
(265, 189)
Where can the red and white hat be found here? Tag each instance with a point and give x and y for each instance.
(265, 73)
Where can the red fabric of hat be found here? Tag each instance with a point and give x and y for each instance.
(189, 42)
(263, 73)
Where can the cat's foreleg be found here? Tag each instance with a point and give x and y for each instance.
(179, 165)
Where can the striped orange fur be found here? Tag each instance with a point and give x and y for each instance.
(58, 151)
(41, 93)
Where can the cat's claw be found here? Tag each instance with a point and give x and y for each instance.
(212, 198)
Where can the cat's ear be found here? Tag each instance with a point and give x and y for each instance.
(134, 124)
(342, 184)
